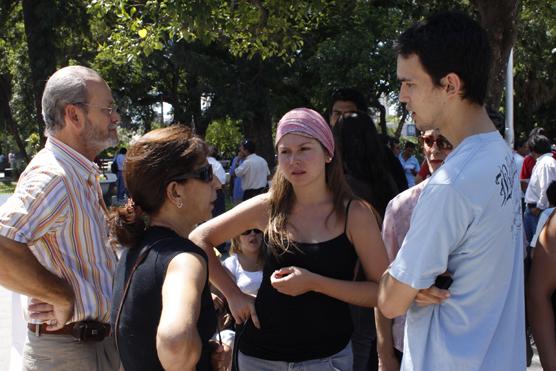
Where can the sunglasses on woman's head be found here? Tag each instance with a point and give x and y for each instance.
(204, 174)
(440, 141)
(247, 232)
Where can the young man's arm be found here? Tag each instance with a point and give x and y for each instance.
(433, 234)
(394, 297)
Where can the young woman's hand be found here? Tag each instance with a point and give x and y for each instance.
(242, 307)
(292, 281)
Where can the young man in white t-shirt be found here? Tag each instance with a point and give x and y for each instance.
(467, 223)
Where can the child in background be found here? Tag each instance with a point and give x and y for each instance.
(245, 265)
(246, 261)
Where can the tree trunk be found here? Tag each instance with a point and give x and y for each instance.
(6, 113)
(39, 17)
(194, 105)
(382, 123)
(499, 18)
(400, 124)
(256, 115)
(258, 129)
(257, 124)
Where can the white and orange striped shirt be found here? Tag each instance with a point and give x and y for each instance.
(57, 211)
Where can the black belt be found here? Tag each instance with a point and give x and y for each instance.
(531, 205)
(85, 331)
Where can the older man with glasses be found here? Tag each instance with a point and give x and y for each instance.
(54, 240)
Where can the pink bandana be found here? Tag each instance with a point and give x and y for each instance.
(306, 122)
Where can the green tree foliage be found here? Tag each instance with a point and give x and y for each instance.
(534, 66)
(267, 28)
(225, 135)
(253, 59)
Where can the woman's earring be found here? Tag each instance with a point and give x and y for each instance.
(179, 204)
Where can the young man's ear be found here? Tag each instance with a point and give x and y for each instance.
(452, 84)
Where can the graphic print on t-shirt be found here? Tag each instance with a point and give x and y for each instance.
(505, 179)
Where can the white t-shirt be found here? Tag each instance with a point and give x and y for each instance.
(248, 282)
(468, 222)
(253, 172)
(217, 169)
(543, 174)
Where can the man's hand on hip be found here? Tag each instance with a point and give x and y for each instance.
(54, 315)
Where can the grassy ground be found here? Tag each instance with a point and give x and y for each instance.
(229, 203)
(7, 187)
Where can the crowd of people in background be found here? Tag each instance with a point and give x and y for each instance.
(351, 254)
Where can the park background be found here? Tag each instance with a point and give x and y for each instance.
(230, 69)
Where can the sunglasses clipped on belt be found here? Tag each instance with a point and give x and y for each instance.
(440, 141)
(249, 231)
(204, 174)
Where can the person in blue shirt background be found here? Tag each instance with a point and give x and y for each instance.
(409, 163)
(237, 191)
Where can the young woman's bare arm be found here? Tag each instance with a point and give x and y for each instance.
(247, 215)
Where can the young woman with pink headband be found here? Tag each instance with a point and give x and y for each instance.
(316, 232)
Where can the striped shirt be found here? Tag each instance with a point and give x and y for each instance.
(57, 211)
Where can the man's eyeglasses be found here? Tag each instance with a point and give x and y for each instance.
(204, 174)
(440, 141)
(110, 110)
(249, 231)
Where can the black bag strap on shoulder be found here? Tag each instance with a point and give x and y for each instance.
(140, 258)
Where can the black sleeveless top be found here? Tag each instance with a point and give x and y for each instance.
(142, 308)
(308, 326)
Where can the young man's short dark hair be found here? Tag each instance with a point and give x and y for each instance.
(539, 144)
(349, 95)
(451, 42)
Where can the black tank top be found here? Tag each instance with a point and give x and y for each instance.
(308, 326)
(141, 311)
